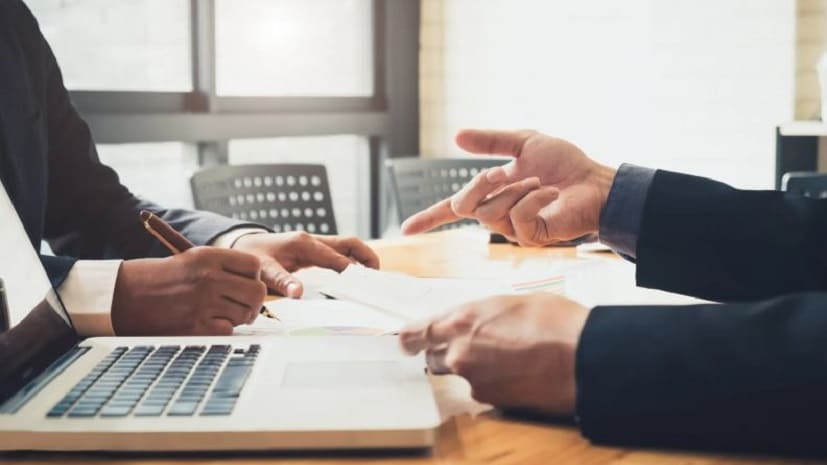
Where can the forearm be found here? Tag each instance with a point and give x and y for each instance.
(706, 239)
(735, 377)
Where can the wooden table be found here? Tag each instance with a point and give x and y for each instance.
(488, 438)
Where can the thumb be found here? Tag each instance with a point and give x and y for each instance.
(491, 142)
(280, 280)
(530, 227)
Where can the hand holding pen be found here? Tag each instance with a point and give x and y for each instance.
(199, 291)
(177, 243)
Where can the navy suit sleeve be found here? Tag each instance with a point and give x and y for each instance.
(737, 377)
(621, 217)
(90, 213)
(706, 239)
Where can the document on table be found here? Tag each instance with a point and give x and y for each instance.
(314, 317)
(407, 297)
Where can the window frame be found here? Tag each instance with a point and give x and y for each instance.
(209, 120)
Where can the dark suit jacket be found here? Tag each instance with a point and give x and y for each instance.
(49, 165)
(749, 374)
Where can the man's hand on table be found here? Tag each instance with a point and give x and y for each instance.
(551, 192)
(516, 351)
(209, 290)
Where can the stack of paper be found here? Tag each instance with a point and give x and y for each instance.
(408, 297)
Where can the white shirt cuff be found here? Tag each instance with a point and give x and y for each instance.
(228, 238)
(87, 295)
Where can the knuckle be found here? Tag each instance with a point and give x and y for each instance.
(198, 254)
(208, 275)
(458, 206)
(261, 291)
(282, 279)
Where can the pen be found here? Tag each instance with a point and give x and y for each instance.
(177, 243)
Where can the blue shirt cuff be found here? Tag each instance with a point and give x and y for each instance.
(621, 217)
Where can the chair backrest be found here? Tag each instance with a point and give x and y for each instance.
(806, 184)
(420, 182)
(285, 197)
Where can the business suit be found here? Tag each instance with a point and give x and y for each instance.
(749, 374)
(49, 164)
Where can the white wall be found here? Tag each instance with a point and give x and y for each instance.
(690, 85)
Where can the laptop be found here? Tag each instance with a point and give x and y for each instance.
(193, 393)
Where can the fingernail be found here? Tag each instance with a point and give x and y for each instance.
(495, 175)
(293, 289)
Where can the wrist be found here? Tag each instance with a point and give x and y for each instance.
(603, 177)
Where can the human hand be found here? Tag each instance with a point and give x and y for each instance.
(516, 351)
(282, 254)
(550, 192)
(203, 291)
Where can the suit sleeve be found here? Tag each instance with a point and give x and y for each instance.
(90, 213)
(704, 238)
(737, 377)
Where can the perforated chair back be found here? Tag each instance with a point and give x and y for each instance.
(285, 197)
(418, 183)
(806, 184)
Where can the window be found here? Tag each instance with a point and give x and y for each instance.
(294, 48)
(345, 158)
(119, 44)
(158, 172)
(169, 85)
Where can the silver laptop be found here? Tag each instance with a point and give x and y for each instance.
(193, 393)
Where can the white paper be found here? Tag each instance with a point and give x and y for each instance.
(407, 297)
(301, 317)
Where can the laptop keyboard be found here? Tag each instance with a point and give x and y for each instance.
(146, 381)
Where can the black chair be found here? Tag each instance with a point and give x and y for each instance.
(284, 197)
(420, 182)
(805, 184)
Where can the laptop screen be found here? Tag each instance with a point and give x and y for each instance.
(34, 327)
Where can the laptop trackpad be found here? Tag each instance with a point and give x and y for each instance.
(345, 374)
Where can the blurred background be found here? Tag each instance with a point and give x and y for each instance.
(722, 88)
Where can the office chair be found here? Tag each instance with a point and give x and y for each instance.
(805, 184)
(419, 182)
(285, 197)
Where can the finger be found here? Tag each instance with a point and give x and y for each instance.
(435, 359)
(466, 200)
(438, 330)
(353, 248)
(458, 358)
(246, 292)
(432, 217)
(413, 338)
(280, 280)
(316, 253)
(529, 225)
(226, 308)
(233, 261)
(500, 205)
(218, 327)
(490, 142)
